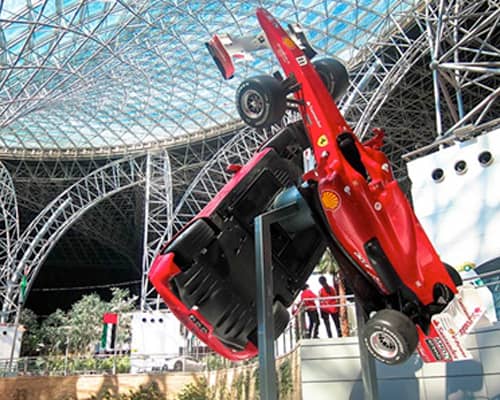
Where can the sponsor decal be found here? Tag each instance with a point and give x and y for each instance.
(198, 324)
(438, 349)
(313, 113)
(280, 53)
(451, 342)
(302, 60)
(322, 141)
(330, 200)
(433, 349)
(467, 326)
(288, 43)
(369, 269)
(442, 349)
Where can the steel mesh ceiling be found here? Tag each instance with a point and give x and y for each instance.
(122, 74)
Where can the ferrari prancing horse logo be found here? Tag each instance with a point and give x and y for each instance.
(322, 141)
(330, 200)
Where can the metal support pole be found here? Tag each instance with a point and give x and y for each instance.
(14, 336)
(66, 355)
(368, 369)
(265, 320)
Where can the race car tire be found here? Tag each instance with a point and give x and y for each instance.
(390, 336)
(178, 366)
(334, 75)
(261, 101)
(454, 275)
(190, 243)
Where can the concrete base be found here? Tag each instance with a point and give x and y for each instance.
(331, 368)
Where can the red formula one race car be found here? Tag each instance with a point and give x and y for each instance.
(350, 202)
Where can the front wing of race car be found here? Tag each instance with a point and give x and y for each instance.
(445, 340)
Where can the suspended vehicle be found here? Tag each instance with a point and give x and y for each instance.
(349, 201)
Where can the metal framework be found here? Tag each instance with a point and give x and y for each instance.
(36, 241)
(157, 220)
(86, 78)
(421, 70)
(464, 43)
(9, 217)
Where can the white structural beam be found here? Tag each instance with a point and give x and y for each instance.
(158, 214)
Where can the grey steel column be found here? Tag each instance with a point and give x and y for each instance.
(265, 320)
(368, 368)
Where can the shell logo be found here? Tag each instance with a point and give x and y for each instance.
(330, 200)
(288, 43)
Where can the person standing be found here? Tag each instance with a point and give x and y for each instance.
(308, 299)
(328, 306)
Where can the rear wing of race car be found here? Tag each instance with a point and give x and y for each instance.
(225, 50)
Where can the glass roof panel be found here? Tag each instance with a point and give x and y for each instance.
(89, 73)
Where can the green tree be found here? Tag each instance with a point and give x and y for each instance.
(85, 319)
(52, 334)
(31, 336)
(80, 328)
(327, 263)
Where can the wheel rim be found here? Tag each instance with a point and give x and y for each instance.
(252, 104)
(383, 344)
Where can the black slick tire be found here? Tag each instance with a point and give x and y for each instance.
(390, 336)
(334, 75)
(261, 101)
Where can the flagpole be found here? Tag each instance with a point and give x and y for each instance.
(114, 347)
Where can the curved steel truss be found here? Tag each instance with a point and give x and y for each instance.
(464, 43)
(158, 219)
(9, 216)
(36, 241)
(437, 74)
(80, 78)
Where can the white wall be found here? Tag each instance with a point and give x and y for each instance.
(7, 333)
(331, 369)
(461, 214)
(156, 336)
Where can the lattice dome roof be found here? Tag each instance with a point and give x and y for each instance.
(124, 74)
